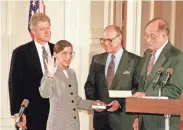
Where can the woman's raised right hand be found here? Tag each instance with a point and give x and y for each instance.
(51, 66)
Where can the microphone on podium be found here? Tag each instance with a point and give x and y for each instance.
(159, 74)
(23, 106)
(167, 76)
(164, 79)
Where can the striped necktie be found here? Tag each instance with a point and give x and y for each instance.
(151, 63)
(45, 57)
(110, 71)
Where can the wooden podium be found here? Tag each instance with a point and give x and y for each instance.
(155, 106)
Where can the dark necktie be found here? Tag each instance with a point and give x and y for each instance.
(151, 63)
(45, 57)
(110, 71)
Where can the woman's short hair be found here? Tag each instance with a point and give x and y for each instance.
(60, 45)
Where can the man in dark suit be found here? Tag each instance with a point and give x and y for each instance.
(26, 70)
(116, 69)
(160, 53)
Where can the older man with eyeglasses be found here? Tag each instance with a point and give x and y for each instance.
(160, 53)
(107, 72)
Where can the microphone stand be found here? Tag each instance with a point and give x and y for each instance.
(167, 121)
(156, 81)
(166, 116)
(159, 92)
(163, 83)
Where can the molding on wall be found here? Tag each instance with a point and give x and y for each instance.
(7, 122)
(1, 10)
(172, 24)
(112, 12)
(77, 15)
(133, 32)
(152, 10)
(96, 33)
(138, 28)
(106, 13)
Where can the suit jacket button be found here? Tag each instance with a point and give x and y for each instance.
(74, 109)
(72, 101)
(71, 93)
(69, 85)
(75, 117)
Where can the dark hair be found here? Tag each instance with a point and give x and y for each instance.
(60, 45)
(162, 25)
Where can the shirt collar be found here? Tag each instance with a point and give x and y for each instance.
(118, 54)
(161, 48)
(38, 45)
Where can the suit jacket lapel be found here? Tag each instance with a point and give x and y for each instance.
(51, 47)
(66, 79)
(160, 61)
(34, 57)
(144, 68)
(154, 70)
(123, 65)
(103, 63)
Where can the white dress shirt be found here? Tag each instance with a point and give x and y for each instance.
(117, 60)
(40, 52)
(65, 72)
(158, 52)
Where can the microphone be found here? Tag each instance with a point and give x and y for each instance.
(167, 76)
(159, 74)
(23, 106)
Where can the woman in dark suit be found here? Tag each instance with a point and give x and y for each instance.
(59, 84)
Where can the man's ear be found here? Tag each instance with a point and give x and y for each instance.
(33, 30)
(163, 33)
(119, 38)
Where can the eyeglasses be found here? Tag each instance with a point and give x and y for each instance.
(151, 36)
(103, 40)
(65, 54)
